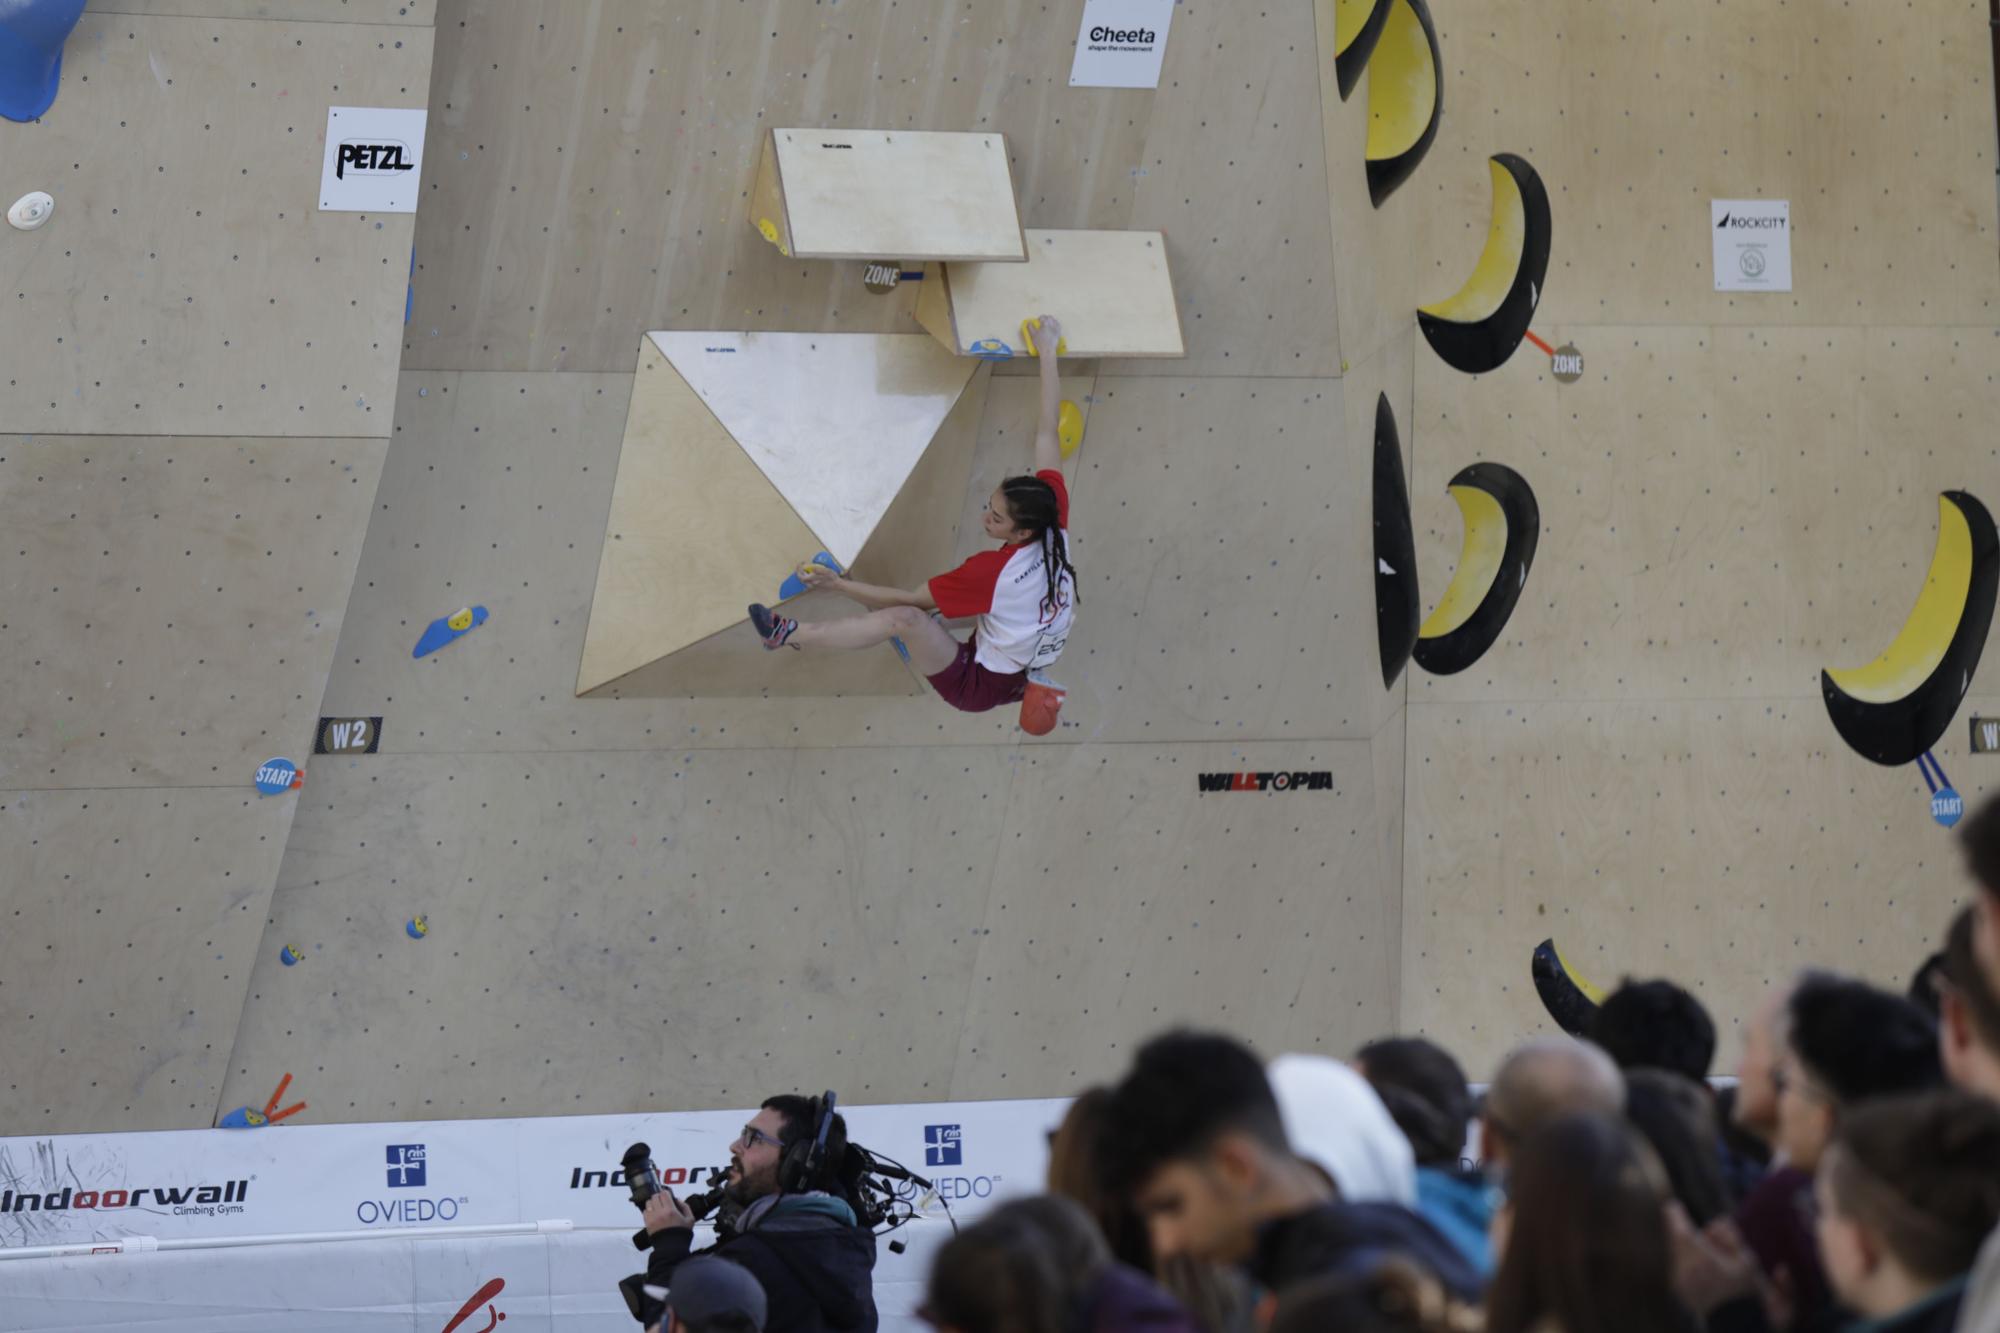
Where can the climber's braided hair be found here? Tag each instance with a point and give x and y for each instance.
(1032, 503)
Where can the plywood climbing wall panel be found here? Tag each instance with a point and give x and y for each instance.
(873, 194)
(1112, 290)
(172, 602)
(135, 917)
(188, 283)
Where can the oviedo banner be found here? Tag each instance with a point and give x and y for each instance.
(288, 1179)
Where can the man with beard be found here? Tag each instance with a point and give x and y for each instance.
(795, 1231)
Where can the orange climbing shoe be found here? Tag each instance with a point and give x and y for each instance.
(1041, 705)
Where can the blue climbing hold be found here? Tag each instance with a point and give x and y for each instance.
(795, 585)
(31, 48)
(446, 628)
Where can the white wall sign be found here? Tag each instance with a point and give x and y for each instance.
(1121, 43)
(374, 158)
(1753, 244)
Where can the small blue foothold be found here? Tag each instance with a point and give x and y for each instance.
(901, 651)
(446, 628)
(289, 955)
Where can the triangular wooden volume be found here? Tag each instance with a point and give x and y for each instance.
(836, 421)
(704, 521)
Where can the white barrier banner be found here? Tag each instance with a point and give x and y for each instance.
(372, 1189)
(400, 1281)
(315, 1178)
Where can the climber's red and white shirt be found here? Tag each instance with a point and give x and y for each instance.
(1007, 590)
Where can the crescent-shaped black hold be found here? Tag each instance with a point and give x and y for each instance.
(1896, 732)
(1484, 345)
(1396, 601)
(1460, 648)
(1347, 66)
(1387, 173)
(1562, 995)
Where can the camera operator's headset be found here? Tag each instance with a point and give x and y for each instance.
(805, 1161)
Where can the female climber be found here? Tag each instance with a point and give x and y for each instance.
(1023, 594)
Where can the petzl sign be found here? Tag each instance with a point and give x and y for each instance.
(374, 157)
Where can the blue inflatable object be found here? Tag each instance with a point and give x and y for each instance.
(31, 47)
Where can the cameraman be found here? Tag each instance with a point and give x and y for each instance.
(815, 1263)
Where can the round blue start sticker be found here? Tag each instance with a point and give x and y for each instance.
(1947, 807)
(277, 776)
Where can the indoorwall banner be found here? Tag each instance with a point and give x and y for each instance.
(193, 1184)
(378, 1198)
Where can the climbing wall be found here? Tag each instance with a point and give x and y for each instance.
(233, 512)
(196, 374)
(681, 902)
(1739, 491)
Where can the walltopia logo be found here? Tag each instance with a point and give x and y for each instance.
(1321, 781)
(203, 1199)
(1733, 222)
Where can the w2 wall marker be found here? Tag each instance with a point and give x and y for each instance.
(348, 735)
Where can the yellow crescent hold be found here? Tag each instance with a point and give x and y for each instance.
(1920, 646)
(1898, 706)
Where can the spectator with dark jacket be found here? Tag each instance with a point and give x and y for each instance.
(1975, 971)
(1907, 1192)
(1217, 1298)
(1655, 1025)
(1198, 1143)
(1968, 1015)
(1677, 1116)
(798, 1237)
(1583, 1238)
(1039, 1265)
(1659, 1025)
(1846, 1042)
(1430, 1101)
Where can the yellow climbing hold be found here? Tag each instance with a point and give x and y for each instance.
(1028, 327)
(1069, 427)
(461, 620)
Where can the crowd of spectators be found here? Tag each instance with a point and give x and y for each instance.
(1847, 1177)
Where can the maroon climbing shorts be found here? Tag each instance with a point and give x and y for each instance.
(971, 688)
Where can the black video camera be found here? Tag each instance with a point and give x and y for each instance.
(643, 1177)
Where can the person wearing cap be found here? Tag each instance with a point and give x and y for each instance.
(1198, 1143)
(712, 1296)
(1023, 595)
